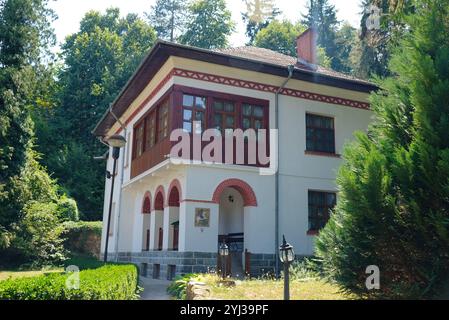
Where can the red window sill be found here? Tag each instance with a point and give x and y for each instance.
(313, 232)
(322, 154)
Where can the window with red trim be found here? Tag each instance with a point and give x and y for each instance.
(193, 109)
(150, 131)
(320, 206)
(224, 115)
(138, 140)
(253, 117)
(320, 134)
(162, 121)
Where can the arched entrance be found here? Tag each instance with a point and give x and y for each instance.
(173, 215)
(233, 196)
(146, 223)
(158, 218)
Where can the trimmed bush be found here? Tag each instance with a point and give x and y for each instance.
(110, 282)
(83, 237)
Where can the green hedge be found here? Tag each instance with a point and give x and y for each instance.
(110, 282)
(83, 237)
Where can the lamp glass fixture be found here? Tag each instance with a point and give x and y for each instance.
(286, 253)
(116, 141)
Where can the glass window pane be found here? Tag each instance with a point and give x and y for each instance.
(258, 111)
(246, 123)
(218, 105)
(200, 102)
(187, 100)
(187, 126)
(218, 119)
(246, 109)
(229, 107)
(230, 122)
(257, 124)
(199, 116)
(187, 115)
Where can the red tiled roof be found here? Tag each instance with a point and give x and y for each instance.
(276, 58)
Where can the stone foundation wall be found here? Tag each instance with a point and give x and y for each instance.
(171, 263)
(168, 264)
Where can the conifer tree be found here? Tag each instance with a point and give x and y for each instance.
(168, 18)
(393, 204)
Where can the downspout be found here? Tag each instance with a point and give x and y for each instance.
(122, 173)
(276, 178)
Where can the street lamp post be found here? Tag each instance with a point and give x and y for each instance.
(116, 142)
(286, 255)
(224, 252)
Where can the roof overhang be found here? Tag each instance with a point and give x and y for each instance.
(162, 50)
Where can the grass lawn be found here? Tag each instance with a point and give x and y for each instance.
(83, 262)
(308, 289)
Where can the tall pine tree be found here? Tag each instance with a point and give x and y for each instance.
(258, 15)
(168, 18)
(209, 25)
(322, 16)
(393, 204)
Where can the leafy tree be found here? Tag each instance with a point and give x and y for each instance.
(209, 25)
(168, 18)
(258, 15)
(280, 36)
(377, 43)
(24, 38)
(322, 16)
(347, 42)
(98, 61)
(393, 206)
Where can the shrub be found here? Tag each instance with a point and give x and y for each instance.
(303, 269)
(38, 236)
(83, 237)
(110, 282)
(67, 210)
(178, 288)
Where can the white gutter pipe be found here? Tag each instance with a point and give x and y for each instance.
(276, 178)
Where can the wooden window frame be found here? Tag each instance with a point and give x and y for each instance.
(224, 114)
(194, 110)
(315, 151)
(327, 208)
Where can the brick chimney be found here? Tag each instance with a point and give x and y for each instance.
(306, 47)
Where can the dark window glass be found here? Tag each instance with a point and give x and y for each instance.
(253, 117)
(224, 116)
(320, 134)
(194, 109)
(320, 205)
(163, 121)
(138, 140)
(150, 124)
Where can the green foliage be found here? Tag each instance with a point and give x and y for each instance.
(67, 210)
(322, 16)
(209, 25)
(178, 288)
(168, 18)
(38, 236)
(110, 282)
(258, 15)
(393, 203)
(279, 36)
(303, 269)
(98, 61)
(83, 237)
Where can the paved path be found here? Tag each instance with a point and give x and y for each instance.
(154, 289)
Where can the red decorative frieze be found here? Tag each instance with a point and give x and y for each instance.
(269, 88)
(245, 84)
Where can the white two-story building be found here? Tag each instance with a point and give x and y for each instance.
(170, 217)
